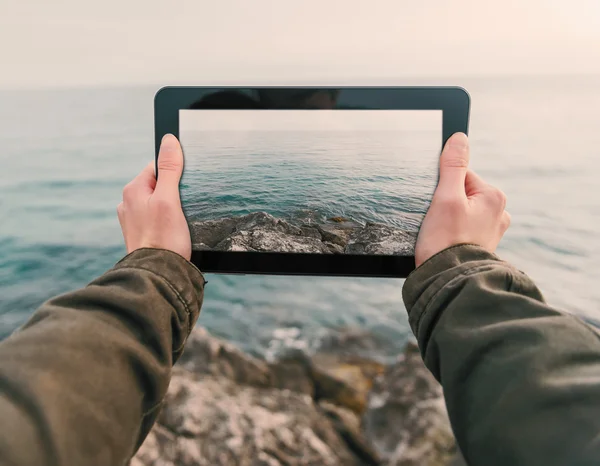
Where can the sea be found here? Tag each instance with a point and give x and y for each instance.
(67, 153)
(307, 177)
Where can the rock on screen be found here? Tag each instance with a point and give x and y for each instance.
(309, 181)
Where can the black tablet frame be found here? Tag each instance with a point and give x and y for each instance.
(454, 102)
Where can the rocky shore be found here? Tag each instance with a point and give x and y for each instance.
(260, 231)
(335, 407)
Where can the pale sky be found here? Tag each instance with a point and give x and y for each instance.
(309, 120)
(114, 42)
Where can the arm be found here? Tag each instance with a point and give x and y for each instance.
(521, 379)
(81, 382)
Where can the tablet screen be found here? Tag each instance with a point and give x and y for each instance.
(308, 181)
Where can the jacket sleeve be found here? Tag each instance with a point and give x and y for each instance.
(81, 382)
(521, 379)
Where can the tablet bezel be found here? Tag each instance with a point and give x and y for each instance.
(454, 102)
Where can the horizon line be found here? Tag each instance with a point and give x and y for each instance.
(364, 81)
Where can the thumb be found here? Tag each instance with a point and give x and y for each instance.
(170, 165)
(454, 163)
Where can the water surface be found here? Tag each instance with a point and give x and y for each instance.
(67, 154)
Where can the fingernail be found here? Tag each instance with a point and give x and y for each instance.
(168, 142)
(459, 141)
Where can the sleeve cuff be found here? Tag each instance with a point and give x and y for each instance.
(181, 274)
(437, 271)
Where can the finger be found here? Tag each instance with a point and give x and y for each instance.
(170, 166)
(120, 213)
(141, 187)
(474, 184)
(454, 163)
(494, 198)
(145, 182)
(121, 216)
(505, 221)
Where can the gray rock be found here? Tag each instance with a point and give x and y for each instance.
(271, 241)
(293, 371)
(201, 247)
(334, 248)
(217, 422)
(205, 354)
(338, 232)
(225, 407)
(264, 221)
(348, 426)
(406, 421)
(310, 232)
(161, 448)
(345, 382)
(211, 232)
(351, 341)
(256, 232)
(376, 238)
(260, 231)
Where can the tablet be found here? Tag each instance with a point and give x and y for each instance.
(308, 180)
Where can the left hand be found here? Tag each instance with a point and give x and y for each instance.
(150, 214)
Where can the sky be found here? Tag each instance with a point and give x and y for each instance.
(307, 120)
(68, 43)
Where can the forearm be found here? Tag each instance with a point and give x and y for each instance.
(80, 383)
(521, 380)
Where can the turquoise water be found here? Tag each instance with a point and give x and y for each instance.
(380, 176)
(67, 154)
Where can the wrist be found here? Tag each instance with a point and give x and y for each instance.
(164, 262)
(436, 265)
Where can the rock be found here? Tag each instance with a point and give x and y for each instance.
(256, 232)
(310, 232)
(376, 238)
(201, 247)
(406, 422)
(338, 219)
(262, 220)
(211, 232)
(338, 233)
(338, 378)
(293, 371)
(225, 407)
(272, 241)
(326, 377)
(347, 424)
(160, 448)
(352, 342)
(205, 354)
(354, 370)
(260, 231)
(337, 388)
(334, 248)
(214, 421)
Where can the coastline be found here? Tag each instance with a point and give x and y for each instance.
(260, 231)
(335, 406)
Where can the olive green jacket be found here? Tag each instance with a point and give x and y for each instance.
(81, 383)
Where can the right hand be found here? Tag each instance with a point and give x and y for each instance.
(464, 209)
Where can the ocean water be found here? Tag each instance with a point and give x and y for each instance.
(66, 154)
(310, 176)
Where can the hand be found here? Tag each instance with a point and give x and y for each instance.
(464, 209)
(150, 214)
